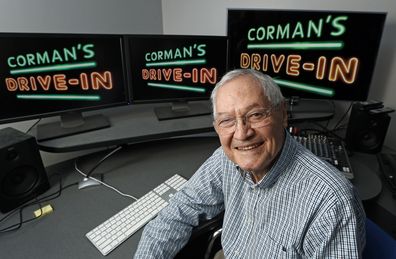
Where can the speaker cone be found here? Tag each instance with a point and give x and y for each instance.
(19, 181)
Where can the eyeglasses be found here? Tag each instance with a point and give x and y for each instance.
(256, 118)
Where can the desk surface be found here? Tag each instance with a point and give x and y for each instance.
(366, 179)
(136, 123)
(134, 170)
(129, 124)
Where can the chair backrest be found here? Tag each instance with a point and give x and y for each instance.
(379, 244)
(203, 237)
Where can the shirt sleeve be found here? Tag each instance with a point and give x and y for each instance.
(200, 198)
(337, 232)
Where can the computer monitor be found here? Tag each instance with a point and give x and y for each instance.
(310, 54)
(176, 69)
(60, 74)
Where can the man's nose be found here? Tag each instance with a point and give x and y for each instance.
(242, 129)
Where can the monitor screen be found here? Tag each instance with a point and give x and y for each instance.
(170, 68)
(49, 74)
(310, 54)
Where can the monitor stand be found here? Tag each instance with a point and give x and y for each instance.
(181, 110)
(309, 109)
(71, 123)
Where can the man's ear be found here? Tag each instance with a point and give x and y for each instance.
(284, 114)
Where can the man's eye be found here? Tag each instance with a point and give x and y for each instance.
(257, 115)
(226, 122)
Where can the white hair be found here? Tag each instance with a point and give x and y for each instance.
(270, 88)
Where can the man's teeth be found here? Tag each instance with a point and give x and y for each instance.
(248, 147)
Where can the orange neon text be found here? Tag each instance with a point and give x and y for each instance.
(197, 75)
(336, 68)
(59, 82)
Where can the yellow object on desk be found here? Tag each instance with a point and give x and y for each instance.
(43, 211)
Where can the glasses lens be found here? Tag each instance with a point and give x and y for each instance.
(256, 118)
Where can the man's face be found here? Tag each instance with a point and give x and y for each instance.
(252, 148)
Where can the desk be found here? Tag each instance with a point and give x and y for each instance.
(135, 170)
(129, 124)
(137, 123)
(366, 180)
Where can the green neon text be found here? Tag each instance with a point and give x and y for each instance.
(68, 97)
(178, 87)
(55, 56)
(313, 29)
(306, 87)
(195, 50)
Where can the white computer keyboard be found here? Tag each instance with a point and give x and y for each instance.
(111, 233)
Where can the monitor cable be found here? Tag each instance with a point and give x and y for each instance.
(88, 180)
(338, 124)
(32, 126)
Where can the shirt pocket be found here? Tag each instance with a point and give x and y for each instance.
(277, 248)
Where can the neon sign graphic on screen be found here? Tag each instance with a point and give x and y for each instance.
(314, 54)
(175, 67)
(28, 71)
(169, 67)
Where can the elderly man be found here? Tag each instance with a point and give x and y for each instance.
(280, 200)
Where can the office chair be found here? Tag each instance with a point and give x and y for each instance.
(204, 241)
(379, 244)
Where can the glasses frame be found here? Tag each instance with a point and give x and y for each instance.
(255, 118)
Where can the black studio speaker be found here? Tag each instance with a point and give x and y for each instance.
(367, 128)
(22, 174)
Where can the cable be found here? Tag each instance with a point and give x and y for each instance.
(101, 182)
(38, 201)
(343, 117)
(334, 108)
(341, 127)
(54, 195)
(87, 181)
(42, 199)
(328, 132)
(21, 221)
(31, 127)
(102, 160)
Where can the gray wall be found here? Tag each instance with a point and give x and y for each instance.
(78, 16)
(81, 16)
(209, 17)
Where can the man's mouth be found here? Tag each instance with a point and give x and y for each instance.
(249, 147)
